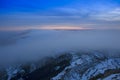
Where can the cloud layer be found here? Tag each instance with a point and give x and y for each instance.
(103, 14)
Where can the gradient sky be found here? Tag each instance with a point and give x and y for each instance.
(40, 14)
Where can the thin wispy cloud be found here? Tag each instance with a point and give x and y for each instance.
(98, 13)
(113, 15)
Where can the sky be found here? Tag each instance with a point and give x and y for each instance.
(59, 14)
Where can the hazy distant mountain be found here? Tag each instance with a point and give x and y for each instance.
(11, 37)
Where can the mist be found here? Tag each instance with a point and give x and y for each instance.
(33, 45)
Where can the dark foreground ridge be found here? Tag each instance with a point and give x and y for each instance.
(70, 66)
(50, 70)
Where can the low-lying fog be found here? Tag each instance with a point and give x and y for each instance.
(34, 44)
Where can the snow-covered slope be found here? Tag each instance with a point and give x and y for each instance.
(71, 66)
(90, 67)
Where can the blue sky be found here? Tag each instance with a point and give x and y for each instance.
(27, 14)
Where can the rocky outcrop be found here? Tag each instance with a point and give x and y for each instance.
(90, 67)
(69, 66)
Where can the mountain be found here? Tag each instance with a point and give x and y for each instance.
(40, 55)
(68, 66)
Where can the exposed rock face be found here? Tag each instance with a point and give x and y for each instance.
(70, 66)
(51, 69)
(90, 67)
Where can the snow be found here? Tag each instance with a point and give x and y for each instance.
(57, 67)
(12, 71)
(71, 72)
(102, 67)
(32, 67)
(77, 62)
(58, 76)
(113, 77)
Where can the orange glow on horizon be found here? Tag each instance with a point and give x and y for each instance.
(61, 28)
(44, 28)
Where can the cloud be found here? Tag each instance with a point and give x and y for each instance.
(69, 11)
(112, 15)
(27, 20)
(83, 13)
